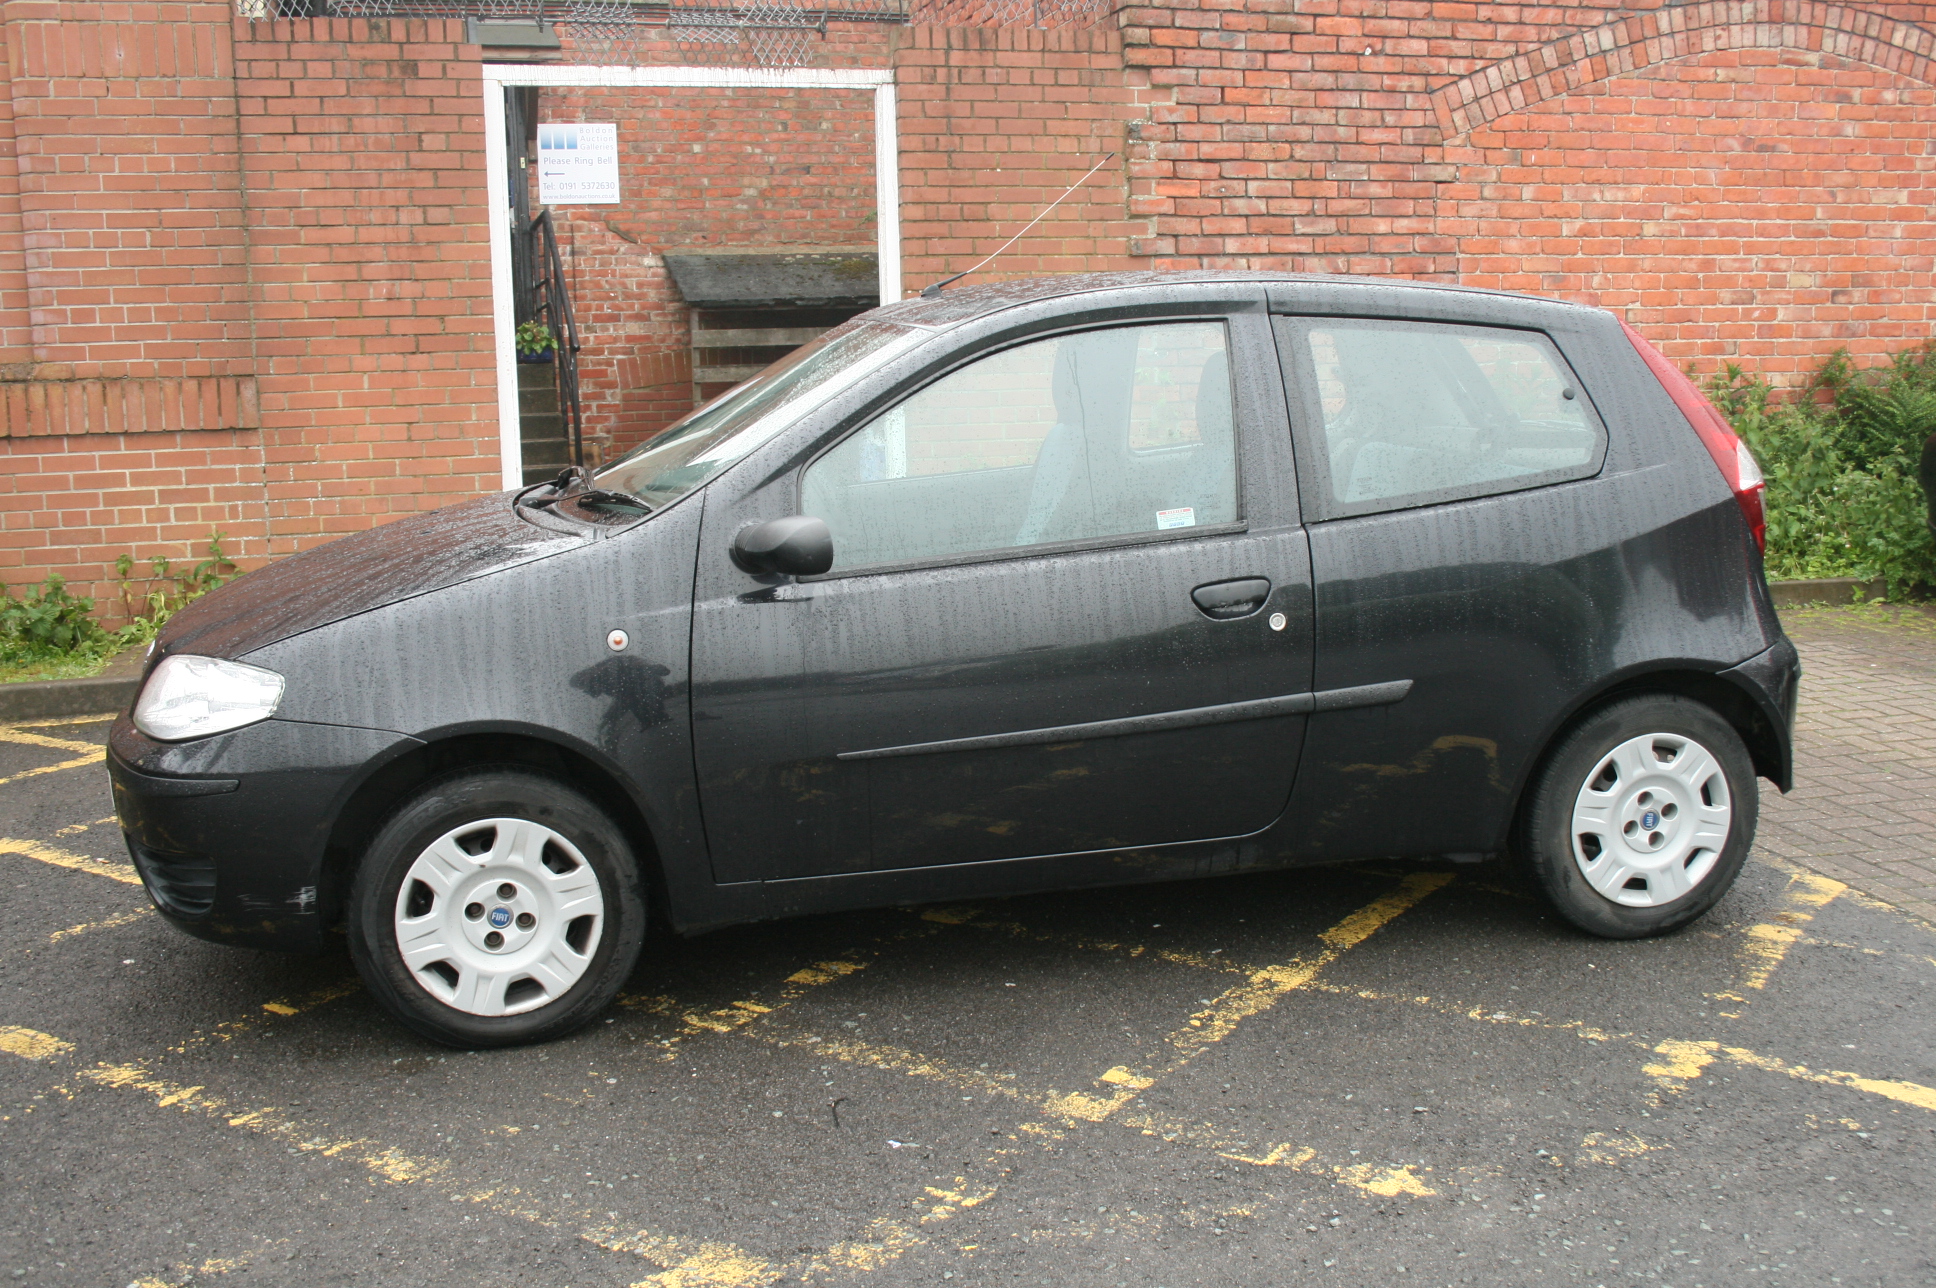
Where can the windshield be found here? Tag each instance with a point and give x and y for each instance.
(688, 452)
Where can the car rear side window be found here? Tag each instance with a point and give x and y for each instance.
(1409, 413)
(1094, 434)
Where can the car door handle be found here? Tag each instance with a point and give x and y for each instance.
(1228, 600)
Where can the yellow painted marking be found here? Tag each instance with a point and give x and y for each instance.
(967, 917)
(1681, 1062)
(1767, 944)
(1262, 990)
(823, 973)
(18, 734)
(1291, 1156)
(1386, 1182)
(59, 722)
(186, 1274)
(123, 872)
(1611, 1147)
(389, 1164)
(1908, 1093)
(31, 1044)
(106, 923)
(1124, 1078)
(94, 757)
(949, 916)
(229, 1030)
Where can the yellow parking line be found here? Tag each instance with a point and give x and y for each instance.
(689, 1263)
(1263, 990)
(740, 1013)
(969, 917)
(93, 758)
(889, 1239)
(18, 734)
(60, 722)
(106, 923)
(282, 1007)
(31, 1044)
(1766, 945)
(123, 872)
(1908, 1093)
(186, 1273)
(1680, 1061)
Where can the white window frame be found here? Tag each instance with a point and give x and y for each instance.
(499, 76)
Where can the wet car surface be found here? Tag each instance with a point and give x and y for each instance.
(1105, 580)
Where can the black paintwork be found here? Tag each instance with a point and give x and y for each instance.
(1105, 711)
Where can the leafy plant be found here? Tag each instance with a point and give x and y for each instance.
(191, 585)
(49, 618)
(534, 338)
(52, 631)
(1841, 462)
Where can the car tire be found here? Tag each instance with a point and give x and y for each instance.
(497, 907)
(1641, 817)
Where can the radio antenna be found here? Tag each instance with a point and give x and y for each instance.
(933, 289)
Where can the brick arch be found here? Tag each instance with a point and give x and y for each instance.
(1662, 35)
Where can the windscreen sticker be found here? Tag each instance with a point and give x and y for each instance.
(1184, 517)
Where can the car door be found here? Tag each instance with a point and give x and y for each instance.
(1069, 612)
(1465, 540)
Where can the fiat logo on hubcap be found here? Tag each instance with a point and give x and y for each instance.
(1649, 820)
(501, 917)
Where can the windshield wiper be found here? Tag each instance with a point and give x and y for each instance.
(574, 484)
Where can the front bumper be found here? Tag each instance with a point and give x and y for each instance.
(229, 832)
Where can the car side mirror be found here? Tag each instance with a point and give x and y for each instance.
(798, 546)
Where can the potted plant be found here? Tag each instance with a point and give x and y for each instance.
(534, 342)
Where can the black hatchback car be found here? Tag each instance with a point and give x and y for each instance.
(1066, 583)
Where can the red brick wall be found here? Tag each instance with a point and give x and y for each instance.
(243, 283)
(363, 146)
(995, 124)
(1760, 205)
(1742, 178)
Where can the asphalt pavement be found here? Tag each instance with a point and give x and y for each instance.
(1391, 1073)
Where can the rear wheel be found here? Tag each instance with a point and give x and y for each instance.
(497, 907)
(1641, 818)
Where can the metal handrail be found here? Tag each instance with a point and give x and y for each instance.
(551, 305)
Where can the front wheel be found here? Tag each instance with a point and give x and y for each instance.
(1641, 818)
(497, 907)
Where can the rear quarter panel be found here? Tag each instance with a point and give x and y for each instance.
(1511, 613)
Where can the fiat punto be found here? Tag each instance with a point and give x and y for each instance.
(1030, 586)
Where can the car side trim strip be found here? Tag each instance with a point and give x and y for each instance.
(1293, 704)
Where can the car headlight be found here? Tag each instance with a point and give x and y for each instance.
(190, 697)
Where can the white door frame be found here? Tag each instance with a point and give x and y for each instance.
(887, 185)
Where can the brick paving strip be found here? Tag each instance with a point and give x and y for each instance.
(1864, 806)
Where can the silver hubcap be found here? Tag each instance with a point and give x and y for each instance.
(1651, 820)
(499, 916)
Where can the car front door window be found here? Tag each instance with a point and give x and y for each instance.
(1089, 435)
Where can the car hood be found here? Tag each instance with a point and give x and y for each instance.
(355, 574)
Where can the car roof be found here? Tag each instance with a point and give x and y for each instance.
(961, 304)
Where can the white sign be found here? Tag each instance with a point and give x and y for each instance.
(578, 165)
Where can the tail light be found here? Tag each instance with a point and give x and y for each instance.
(1737, 463)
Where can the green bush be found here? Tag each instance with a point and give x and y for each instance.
(1843, 497)
(49, 618)
(52, 632)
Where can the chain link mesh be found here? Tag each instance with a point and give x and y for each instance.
(765, 33)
